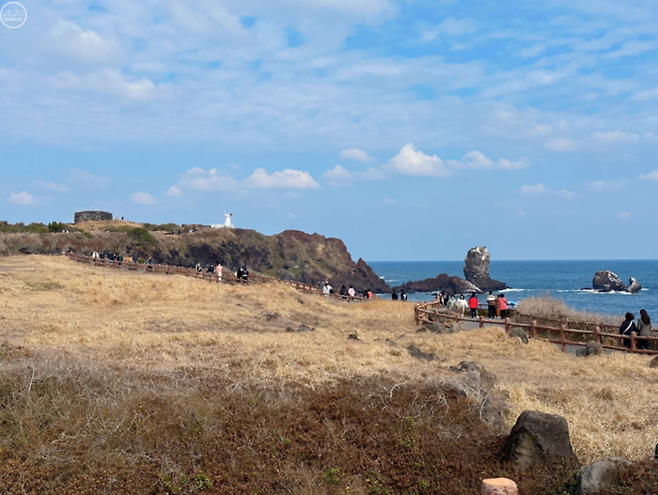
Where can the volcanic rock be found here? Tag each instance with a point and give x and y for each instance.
(442, 282)
(538, 437)
(633, 286)
(600, 475)
(591, 349)
(519, 333)
(360, 277)
(476, 269)
(607, 281)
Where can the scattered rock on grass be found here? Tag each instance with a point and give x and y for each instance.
(600, 475)
(415, 352)
(518, 332)
(538, 437)
(654, 363)
(300, 329)
(353, 336)
(269, 316)
(591, 349)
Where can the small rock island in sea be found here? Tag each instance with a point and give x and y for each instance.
(476, 273)
(607, 281)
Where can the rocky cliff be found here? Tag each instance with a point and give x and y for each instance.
(290, 255)
(441, 283)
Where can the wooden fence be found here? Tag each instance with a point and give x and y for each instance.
(428, 312)
(227, 276)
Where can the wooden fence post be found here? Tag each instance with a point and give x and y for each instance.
(481, 321)
(633, 342)
(597, 334)
(563, 335)
(507, 325)
(534, 329)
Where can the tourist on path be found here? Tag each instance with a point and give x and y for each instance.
(462, 304)
(502, 306)
(351, 292)
(628, 326)
(394, 295)
(245, 275)
(491, 305)
(403, 295)
(473, 305)
(643, 329)
(218, 271)
(452, 302)
(343, 291)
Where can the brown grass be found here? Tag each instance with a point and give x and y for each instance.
(146, 383)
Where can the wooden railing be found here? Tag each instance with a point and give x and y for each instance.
(428, 312)
(227, 276)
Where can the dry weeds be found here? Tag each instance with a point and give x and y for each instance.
(134, 350)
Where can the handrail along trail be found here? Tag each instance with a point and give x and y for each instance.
(425, 311)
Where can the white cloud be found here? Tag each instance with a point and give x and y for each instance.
(533, 51)
(21, 198)
(534, 190)
(450, 27)
(624, 215)
(356, 155)
(174, 191)
(630, 48)
(340, 176)
(409, 161)
(286, 179)
(390, 201)
(521, 163)
(79, 179)
(614, 137)
(648, 94)
(111, 81)
(650, 176)
(605, 185)
(561, 144)
(71, 40)
(566, 194)
(142, 198)
(49, 186)
(199, 179)
(476, 159)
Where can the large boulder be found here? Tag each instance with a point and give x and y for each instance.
(537, 438)
(476, 269)
(607, 281)
(600, 475)
(591, 349)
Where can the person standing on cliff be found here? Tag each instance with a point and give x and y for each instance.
(394, 295)
(491, 305)
(403, 295)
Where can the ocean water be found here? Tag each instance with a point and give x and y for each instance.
(558, 279)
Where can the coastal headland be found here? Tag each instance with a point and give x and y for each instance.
(145, 383)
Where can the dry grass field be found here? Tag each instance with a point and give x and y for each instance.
(106, 376)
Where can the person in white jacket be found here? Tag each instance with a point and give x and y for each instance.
(462, 304)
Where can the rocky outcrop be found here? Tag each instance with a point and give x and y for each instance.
(92, 216)
(290, 255)
(537, 438)
(360, 276)
(476, 269)
(440, 283)
(607, 281)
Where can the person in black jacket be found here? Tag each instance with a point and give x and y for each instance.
(627, 327)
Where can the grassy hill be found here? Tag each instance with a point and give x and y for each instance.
(114, 382)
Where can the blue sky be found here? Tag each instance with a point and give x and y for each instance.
(411, 129)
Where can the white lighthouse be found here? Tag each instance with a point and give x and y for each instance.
(227, 222)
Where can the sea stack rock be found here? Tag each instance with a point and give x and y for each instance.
(476, 269)
(607, 281)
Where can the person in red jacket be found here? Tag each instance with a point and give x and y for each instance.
(502, 305)
(473, 305)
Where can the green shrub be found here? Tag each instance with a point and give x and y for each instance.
(142, 238)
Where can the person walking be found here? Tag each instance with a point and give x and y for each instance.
(502, 306)
(452, 302)
(351, 292)
(462, 304)
(491, 306)
(218, 272)
(643, 329)
(473, 305)
(403, 295)
(394, 295)
(627, 327)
